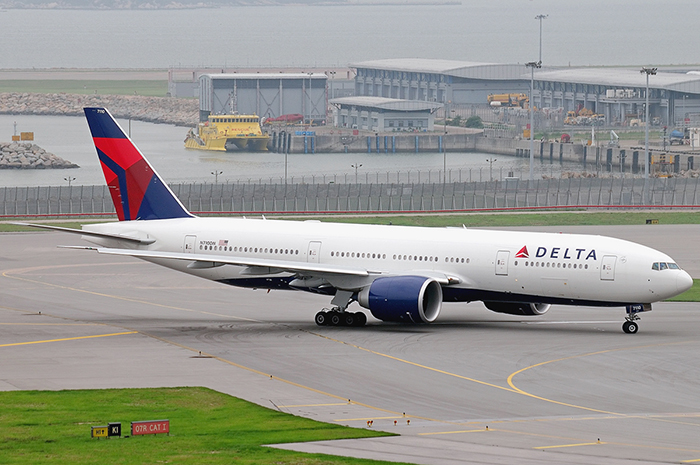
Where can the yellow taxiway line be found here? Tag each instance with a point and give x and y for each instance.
(67, 339)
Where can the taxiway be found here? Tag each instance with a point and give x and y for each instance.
(475, 387)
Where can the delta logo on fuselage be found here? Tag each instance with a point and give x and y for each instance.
(559, 253)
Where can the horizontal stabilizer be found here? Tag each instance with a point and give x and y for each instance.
(82, 232)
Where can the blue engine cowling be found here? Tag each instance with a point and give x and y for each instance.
(403, 299)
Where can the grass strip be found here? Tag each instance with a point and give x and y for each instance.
(207, 427)
(96, 86)
(691, 295)
(576, 218)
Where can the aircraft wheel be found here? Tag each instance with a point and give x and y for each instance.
(360, 319)
(630, 327)
(349, 319)
(321, 318)
(334, 319)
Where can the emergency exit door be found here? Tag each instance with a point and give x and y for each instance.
(502, 258)
(190, 241)
(314, 251)
(607, 268)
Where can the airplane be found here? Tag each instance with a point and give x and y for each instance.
(400, 274)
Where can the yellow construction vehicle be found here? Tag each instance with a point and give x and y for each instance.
(508, 100)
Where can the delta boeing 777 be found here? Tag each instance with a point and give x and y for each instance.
(400, 274)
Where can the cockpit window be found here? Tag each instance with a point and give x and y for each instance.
(660, 266)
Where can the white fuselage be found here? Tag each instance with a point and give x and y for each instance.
(479, 264)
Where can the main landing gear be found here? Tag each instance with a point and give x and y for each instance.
(338, 316)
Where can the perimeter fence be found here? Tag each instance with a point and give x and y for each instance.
(379, 197)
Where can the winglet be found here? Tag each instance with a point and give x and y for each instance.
(138, 193)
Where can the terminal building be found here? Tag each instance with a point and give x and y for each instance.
(384, 114)
(617, 93)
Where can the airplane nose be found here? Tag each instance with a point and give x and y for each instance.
(684, 282)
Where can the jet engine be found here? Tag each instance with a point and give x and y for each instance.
(403, 299)
(518, 308)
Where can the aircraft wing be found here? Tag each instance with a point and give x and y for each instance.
(211, 261)
(259, 266)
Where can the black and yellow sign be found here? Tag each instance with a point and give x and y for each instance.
(99, 431)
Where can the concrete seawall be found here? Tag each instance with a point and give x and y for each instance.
(627, 159)
(326, 142)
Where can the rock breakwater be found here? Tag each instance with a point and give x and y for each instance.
(166, 110)
(15, 155)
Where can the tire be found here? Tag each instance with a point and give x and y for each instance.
(321, 318)
(360, 319)
(334, 319)
(348, 319)
(630, 327)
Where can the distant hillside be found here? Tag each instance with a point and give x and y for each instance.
(149, 4)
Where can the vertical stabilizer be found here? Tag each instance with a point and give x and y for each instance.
(137, 191)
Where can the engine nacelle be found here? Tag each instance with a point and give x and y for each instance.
(518, 308)
(403, 299)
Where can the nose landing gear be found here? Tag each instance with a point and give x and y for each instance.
(630, 326)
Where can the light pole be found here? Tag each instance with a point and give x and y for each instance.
(532, 65)
(216, 175)
(332, 73)
(307, 109)
(646, 71)
(356, 166)
(69, 179)
(540, 18)
(491, 160)
(683, 113)
(444, 148)
(329, 114)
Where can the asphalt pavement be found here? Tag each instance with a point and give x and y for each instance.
(475, 387)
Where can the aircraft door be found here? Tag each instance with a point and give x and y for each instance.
(314, 252)
(190, 241)
(607, 268)
(502, 257)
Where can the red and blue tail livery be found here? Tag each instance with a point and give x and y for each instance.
(137, 191)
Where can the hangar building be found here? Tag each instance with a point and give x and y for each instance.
(617, 93)
(265, 95)
(443, 81)
(620, 94)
